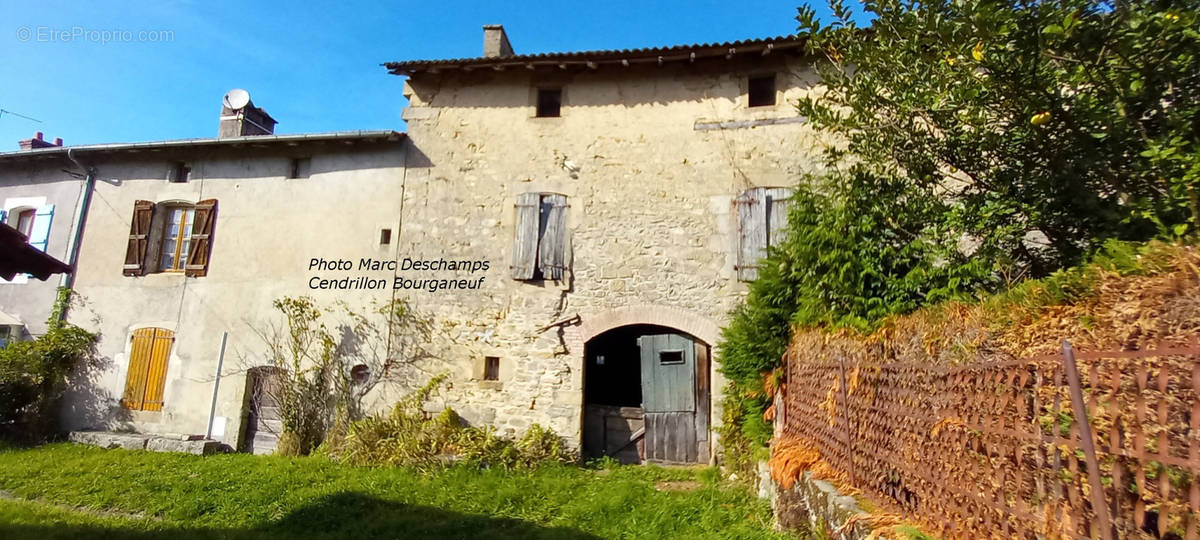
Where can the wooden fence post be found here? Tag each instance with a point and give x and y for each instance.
(1099, 501)
(849, 425)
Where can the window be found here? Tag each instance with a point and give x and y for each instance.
(300, 168)
(147, 375)
(491, 368)
(762, 219)
(34, 223)
(179, 172)
(385, 237)
(177, 235)
(670, 357)
(24, 222)
(540, 244)
(762, 91)
(549, 102)
(170, 237)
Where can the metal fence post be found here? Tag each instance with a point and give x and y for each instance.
(1099, 501)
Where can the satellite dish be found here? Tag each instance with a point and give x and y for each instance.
(236, 99)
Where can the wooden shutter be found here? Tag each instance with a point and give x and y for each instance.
(552, 246)
(777, 202)
(147, 376)
(752, 232)
(525, 241)
(139, 236)
(201, 244)
(39, 235)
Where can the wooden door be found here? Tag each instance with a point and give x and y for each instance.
(668, 364)
(263, 423)
(146, 379)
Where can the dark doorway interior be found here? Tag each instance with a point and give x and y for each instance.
(614, 418)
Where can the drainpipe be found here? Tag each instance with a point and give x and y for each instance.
(68, 280)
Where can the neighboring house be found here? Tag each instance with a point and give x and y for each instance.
(188, 240)
(622, 197)
(40, 199)
(596, 216)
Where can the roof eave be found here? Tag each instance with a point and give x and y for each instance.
(597, 59)
(249, 140)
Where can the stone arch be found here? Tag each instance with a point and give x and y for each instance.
(680, 319)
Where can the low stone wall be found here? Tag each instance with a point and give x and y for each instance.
(139, 441)
(812, 505)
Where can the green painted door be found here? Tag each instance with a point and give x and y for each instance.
(669, 397)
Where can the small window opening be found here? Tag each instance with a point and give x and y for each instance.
(179, 172)
(300, 168)
(762, 91)
(669, 357)
(549, 102)
(491, 368)
(385, 237)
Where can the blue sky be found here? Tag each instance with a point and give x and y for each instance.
(312, 67)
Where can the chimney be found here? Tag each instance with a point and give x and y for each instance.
(240, 118)
(495, 42)
(38, 142)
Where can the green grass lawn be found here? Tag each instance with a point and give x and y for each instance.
(72, 491)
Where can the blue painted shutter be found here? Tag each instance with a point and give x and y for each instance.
(3, 215)
(40, 234)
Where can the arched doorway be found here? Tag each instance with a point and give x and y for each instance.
(646, 395)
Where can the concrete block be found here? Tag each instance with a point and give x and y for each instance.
(199, 448)
(105, 439)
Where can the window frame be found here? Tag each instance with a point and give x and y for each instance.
(188, 216)
(21, 214)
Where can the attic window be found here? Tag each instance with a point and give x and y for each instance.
(179, 172)
(300, 168)
(549, 102)
(385, 237)
(762, 91)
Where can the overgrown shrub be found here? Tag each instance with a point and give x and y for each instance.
(404, 436)
(315, 394)
(33, 375)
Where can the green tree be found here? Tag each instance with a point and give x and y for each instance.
(1048, 127)
(977, 143)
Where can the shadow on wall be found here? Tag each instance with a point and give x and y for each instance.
(342, 515)
(87, 405)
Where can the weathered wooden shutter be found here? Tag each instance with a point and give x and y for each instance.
(525, 241)
(552, 247)
(777, 202)
(139, 233)
(201, 245)
(147, 376)
(752, 232)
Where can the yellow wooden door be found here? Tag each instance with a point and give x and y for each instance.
(147, 377)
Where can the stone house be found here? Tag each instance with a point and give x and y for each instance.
(576, 227)
(622, 197)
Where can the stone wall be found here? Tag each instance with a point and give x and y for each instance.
(650, 189)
